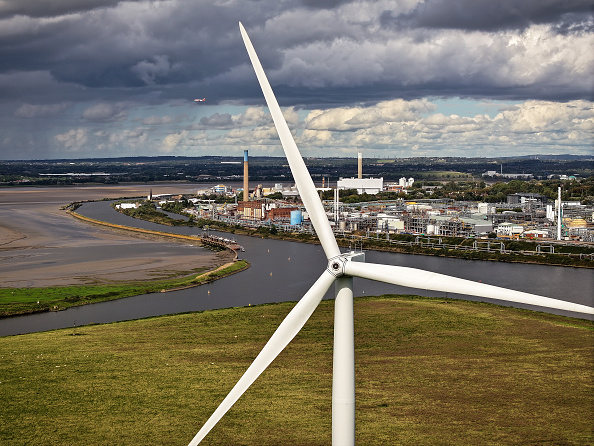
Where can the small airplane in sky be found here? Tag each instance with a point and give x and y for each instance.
(200, 100)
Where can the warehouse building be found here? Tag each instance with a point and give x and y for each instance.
(369, 186)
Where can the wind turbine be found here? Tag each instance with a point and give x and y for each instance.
(341, 269)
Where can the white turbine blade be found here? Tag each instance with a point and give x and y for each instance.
(305, 185)
(426, 280)
(286, 331)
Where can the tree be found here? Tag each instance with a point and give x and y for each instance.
(275, 196)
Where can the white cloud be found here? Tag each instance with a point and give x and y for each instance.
(355, 118)
(135, 138)
(538, 116)
(540, 126)
(73, 140)
(172, 142)
(453, 59)
(253, 116)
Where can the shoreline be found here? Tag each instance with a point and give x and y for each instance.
(50, 286)
(73, 296)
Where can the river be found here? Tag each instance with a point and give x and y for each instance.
(284, 270)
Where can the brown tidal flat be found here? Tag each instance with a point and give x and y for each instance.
(41, 245)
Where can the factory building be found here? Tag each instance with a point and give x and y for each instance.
(394, 187)
(389, 223)
(524, 197)
(448, 227)
(258, 210)
(509, 230)
(252, 210)
(370, 186)
(280, 213)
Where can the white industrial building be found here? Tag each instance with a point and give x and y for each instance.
(509, 230)
(391, 223)
(370, 186)
(404, 183)
(126, 206)
(485, 208)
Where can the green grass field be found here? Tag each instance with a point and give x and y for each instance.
(14, 301)
(429, 372)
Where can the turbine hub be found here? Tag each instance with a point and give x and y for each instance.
(336, 265)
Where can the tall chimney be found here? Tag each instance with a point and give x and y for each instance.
(360, 165)
(246, 190)
(559, 213)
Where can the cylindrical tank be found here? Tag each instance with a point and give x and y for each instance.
(296, 217)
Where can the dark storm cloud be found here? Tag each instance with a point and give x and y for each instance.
(327, 52)
(575, 23)
(36, 8)
(489, 14)
(37, 111)
(324, 4)
(108, 74)
(217, 120)
(106, 112)
(115, 47)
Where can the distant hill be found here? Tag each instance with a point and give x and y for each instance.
(265, 168)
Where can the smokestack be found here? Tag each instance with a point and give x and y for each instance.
(360, 165)
(559, 213)
(246, 190)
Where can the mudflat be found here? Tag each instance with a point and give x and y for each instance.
(41, 245)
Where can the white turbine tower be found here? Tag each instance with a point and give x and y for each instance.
(341, 269)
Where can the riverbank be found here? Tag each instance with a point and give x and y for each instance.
(51, 261)
(42, 246)
(20, 301)
(430, 371)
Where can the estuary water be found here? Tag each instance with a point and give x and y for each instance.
(283, 271)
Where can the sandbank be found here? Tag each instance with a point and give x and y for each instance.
(41, 245)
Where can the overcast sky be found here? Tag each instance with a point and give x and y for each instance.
(108, 78)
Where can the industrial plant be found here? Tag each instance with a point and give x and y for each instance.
(522, 215)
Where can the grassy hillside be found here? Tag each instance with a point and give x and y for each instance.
(429, 371)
